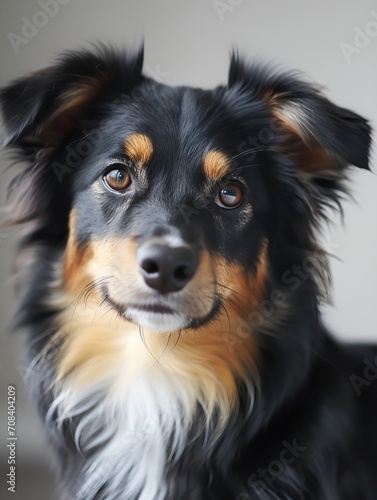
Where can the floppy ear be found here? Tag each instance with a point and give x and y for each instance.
(320, 137)
(47, 105)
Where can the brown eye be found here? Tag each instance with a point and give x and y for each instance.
(230, 196)
(118, 179)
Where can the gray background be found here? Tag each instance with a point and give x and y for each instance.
(188, 42)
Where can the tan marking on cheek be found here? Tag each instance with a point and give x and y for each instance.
(241, 292)
(138, 147)
(93, 334)
(215, 165)
(75, 259)
(115, 259)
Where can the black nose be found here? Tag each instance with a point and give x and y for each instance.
(166, 268)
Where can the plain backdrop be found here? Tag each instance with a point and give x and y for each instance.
(189, 42)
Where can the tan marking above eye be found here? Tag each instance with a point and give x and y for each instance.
(138, 147)
(215, 165)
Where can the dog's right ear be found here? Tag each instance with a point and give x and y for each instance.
(47, 105)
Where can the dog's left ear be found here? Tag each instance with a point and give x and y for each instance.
(319, 136)
(44, 107)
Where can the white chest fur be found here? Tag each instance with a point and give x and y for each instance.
(128, 436)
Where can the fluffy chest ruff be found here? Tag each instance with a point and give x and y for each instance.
(134, 399)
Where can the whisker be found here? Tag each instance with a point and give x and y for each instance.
(228, 288)
(142, 336)
(176, 342)
(229, 323)
(85, 293)
(250, 151)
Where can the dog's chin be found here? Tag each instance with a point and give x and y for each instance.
(156, 321)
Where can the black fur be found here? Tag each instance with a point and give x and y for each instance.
(309, 401)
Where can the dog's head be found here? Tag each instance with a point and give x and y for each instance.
(172, 200)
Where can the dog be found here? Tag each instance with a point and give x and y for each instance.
(170, 280)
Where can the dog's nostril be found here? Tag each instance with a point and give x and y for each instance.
(150, 267)
(182, 273)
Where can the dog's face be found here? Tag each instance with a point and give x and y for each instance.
(167, 215)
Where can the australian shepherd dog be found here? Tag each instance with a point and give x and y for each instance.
(170, 280)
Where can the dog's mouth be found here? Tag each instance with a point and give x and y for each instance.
(159, 317)
(153, 308)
